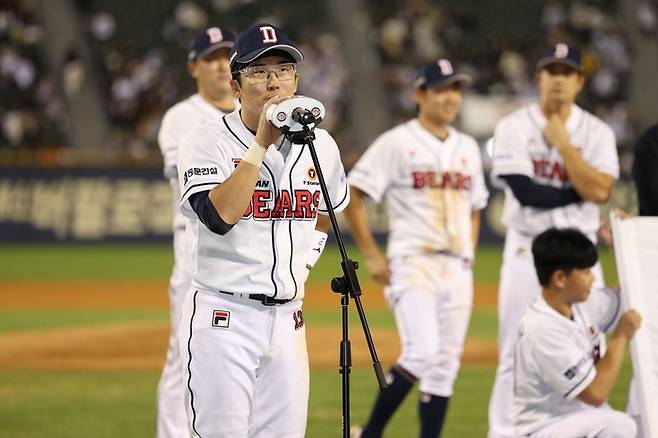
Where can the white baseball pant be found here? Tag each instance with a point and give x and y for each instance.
(249, 376)
(171, 421)
(601, 422)
(431, 297)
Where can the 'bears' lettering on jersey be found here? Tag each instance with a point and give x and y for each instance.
(550, 169)
(303, 204)
(445, 180)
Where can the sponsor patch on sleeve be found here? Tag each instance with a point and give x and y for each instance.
(198, 171)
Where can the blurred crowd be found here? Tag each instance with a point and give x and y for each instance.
(506, 65)
(31, 109)
(141, 83)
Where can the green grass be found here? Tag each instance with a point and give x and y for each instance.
(487, 265)
(465, 418)
(13, 320)
(36, 404)
(153, 262)
(85, 262)
(483, 321)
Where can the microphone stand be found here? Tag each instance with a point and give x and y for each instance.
(347, 285)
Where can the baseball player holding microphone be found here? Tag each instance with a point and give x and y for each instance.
(208, 64)
(253, 203)
(432, 179)
(558, 163)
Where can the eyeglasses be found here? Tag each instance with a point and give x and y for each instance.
(261, 73)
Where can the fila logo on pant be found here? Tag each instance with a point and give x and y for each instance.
(221, 318)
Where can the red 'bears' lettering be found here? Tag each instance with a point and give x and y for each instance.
(260, 201)
(283, 206)
(419, 179)
(550, 170)
(305, 205)
(303, 202)
(450, 180)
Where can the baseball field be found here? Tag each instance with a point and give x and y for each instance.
(83, 333)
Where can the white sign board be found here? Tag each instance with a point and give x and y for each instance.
(636, 254)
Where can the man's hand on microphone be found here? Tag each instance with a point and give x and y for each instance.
(294, 111)
(267, 133)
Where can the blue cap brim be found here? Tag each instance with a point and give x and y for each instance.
(544, 62)
(248, 57)
(209, 50)
(459, 77)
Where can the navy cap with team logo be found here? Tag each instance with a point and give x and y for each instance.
(563, 54)
(438, 74)
(259, 39)
(210, 40)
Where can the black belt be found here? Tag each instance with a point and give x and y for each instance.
(265, 300)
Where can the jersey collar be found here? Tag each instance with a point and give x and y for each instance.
(541, 306)
(427, 136)
(236, 125)
(573, 122)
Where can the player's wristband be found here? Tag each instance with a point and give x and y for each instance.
(255, 154)
(317, 246)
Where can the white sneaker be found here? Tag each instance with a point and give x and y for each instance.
(355, 431)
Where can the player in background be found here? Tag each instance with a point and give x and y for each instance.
(432, 179)
(253, 201)
(645, 163)
(208, 64)
(564, 370)
(558, 163)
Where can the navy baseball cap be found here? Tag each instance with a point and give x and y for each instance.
(259, 39)
(563, 54)
(438, 74)
(210, 40)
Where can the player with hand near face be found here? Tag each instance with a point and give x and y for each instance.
(431, 177)
(557, 163)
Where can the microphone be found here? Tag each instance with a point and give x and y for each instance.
(303, 116)
(295, 114)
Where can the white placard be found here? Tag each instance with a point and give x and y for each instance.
(636, 255)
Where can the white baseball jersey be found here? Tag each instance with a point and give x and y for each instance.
(520, 148)
(555, 357)
(178, 121)
(430, 186)
(265, 253)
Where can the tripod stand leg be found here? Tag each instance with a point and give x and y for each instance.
(345, 365)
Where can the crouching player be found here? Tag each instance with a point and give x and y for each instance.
(564, 371)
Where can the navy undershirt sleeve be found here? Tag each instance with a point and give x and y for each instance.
(531, 194)
(202, 206)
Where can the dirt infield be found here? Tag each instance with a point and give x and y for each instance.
(153, 295)
(142, 345)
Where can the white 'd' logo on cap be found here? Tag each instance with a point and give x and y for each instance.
(269, 34)
(215, 35)
(561, 50)
(445, 66)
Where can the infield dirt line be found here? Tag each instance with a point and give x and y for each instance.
(112, 295)
(142, 345)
